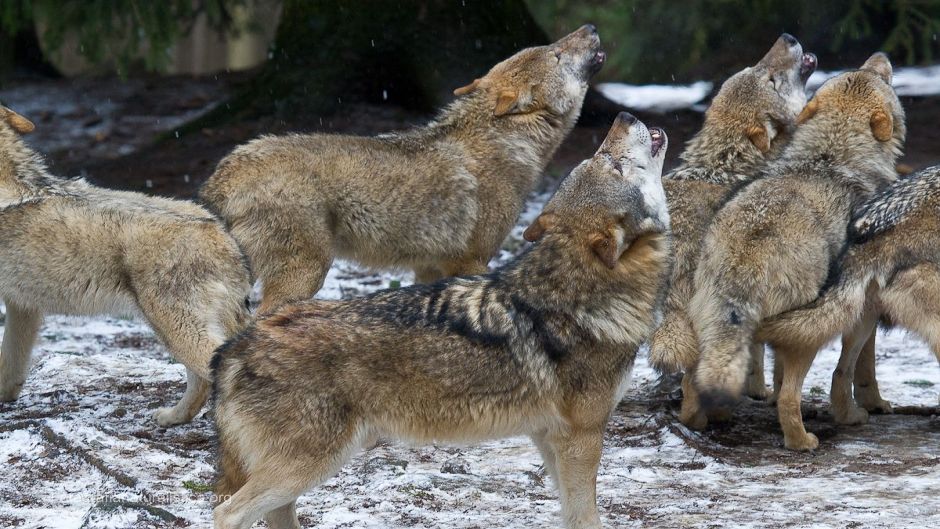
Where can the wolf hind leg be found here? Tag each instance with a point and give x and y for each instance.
(843, 405)
(867, 393)
(19, 337)
(277, 478)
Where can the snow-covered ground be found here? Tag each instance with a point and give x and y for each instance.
(79, 449)
(907, 81)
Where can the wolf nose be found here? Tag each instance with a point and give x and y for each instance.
(591, 28)
(626, 118)
(789, 39)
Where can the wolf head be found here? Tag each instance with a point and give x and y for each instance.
(546, 80)
(756, 108)
(614, 198)
(856, 116)
(17, 161)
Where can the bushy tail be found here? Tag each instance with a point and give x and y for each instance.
(725, 328)
(674, 346)
(232, 474)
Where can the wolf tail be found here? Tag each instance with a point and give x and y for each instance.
(725, 328)
(232, 472)
(674, 346)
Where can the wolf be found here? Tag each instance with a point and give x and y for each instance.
(890, 273)
(772, 247)
(69, 247)
(439, 199)
(541, 347)
(748, 123)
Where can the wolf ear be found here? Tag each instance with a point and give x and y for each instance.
(880, 65)
(506, 103)
(759, 137)
(16, 121)
(882, 125)
(538, 227)
(808, 111)
(470, 88)
(606, 248)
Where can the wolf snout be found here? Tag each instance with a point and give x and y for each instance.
(789, 39)
(657, 139)
(808, 65)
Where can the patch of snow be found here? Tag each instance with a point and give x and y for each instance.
(656, 98)
(907, 81)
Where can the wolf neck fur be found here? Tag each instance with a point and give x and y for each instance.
(863, 164)
(525, 148)
(23, 172)
(720, 154)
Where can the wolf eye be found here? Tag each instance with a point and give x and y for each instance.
(557, 55)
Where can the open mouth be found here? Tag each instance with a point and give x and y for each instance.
(658, 138)
(807, 66)
(597, 61)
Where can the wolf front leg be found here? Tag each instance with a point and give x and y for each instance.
(796, 364)
(578, 454)
(19, 337)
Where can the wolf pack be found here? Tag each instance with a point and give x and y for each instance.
(786, 224)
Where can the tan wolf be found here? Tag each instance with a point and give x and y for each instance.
(771, 248)
(439, 199)
(542, 347)
(69, 247)
(747, 125)
(891, 272)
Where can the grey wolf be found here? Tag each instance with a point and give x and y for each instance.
(439, 199)
(542, 347)
(748, 123)
(69, 247)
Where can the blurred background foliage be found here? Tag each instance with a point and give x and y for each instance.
(684, 40)
(414, 52)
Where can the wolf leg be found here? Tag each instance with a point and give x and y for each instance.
(844, 408)
(261, 495)
(283, 517)
(756, 386)
(778, 380)
(549, 457)
(194, 398)
(867, 394)
(579, 455)
(19, 336)
(796, 365)
(691, 414)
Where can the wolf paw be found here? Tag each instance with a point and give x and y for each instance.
(10, 393)
(166, 417)
(803, 444)
(759, 392)
(875, 405)
(694, 420)
(852, 416)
